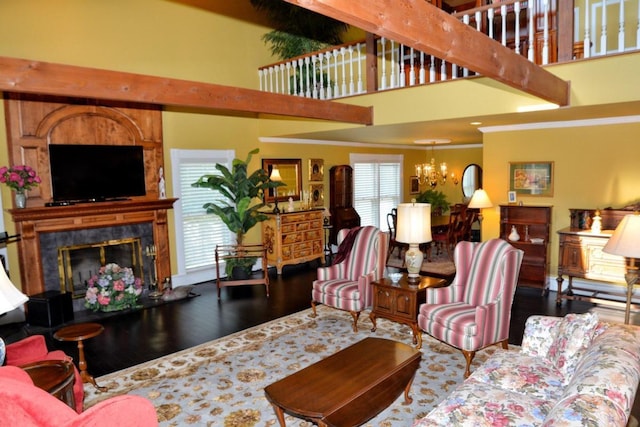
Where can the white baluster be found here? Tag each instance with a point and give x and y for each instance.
(270, 79)
(276, 78)
(383, 79)
(422, 77)
(621, 28)
(295, 78)
(478, 20)
(289, 78)
(443, 70)
(360, 83)
(587, 31)
(412, 70)
(282, 76)
(327, 55)
(516, 9)
(454, 71)
(344, 69)
(260, 73)
(314, 61)
(432, 69)
(466, 20)
(503, 13)
(352, 87)
(321, 89)
(603, 34)
(532, 12)
(336, 90)
(307, 79)
(545, 39)
(301, 74)
(490, 14)
(392, 64)
(402, 73)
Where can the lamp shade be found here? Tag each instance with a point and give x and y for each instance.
(275, 174)
(625, 240)
(10, 297)
(414, 223)
(480, 200)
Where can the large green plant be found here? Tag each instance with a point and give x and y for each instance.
(437, 199)
(243, 193)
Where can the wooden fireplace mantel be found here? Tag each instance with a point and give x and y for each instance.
(31, 222)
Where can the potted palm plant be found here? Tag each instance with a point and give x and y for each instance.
(243, 199)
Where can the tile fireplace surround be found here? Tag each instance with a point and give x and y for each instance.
(38, 225)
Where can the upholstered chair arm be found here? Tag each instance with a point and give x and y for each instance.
(364, 286)
(27, 350)
(331, 272)
(446, 295)
(122, 411)
(539, 333)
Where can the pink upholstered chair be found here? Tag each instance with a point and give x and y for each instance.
(34, 349)
(475, 310)
(346, 285)
(25, 405)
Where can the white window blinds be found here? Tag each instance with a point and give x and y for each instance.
(376, 186)
(197, 232)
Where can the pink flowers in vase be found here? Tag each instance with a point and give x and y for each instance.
(19, 178)
(113, 288)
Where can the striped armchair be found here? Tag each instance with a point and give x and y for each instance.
(475, 310)
(347, 285)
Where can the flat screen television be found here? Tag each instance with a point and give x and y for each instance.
(86, 173)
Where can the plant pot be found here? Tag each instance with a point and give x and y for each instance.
(240, 273)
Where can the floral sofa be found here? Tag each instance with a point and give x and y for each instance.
(571, 371)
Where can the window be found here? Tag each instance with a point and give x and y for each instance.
(197, 232)
(376, 187)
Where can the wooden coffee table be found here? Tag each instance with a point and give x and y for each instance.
(349, 387)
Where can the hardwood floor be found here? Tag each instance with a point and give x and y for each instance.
(163, 328)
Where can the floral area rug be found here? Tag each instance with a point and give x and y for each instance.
(221, 383)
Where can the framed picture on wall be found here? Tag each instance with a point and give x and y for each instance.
(316, 169)
(531, 178)
(415, 185)
(316, 195)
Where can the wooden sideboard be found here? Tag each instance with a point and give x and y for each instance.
(580, 255)
(531, 222)
(293, 237)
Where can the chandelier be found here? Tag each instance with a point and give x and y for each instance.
(430, 173)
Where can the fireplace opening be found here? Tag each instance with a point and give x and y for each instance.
(77, 263)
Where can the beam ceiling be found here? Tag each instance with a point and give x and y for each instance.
(420, 25)
(44, 78)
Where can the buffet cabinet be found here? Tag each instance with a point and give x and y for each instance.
(293, 237)
(580, 255)
(532, 225)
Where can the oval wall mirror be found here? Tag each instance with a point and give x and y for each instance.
(471, 179)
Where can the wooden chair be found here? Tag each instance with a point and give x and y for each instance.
(444, 238)
(392, 223)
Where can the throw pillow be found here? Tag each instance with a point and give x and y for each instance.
(575, 333)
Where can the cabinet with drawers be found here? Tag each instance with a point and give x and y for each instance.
(293, 237)
(532, 224)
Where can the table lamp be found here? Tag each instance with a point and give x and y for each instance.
(10, 299)
(625, 242)
(275, 177)
(414, 228)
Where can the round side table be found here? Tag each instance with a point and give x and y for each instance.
(55, 377)
(79, 333)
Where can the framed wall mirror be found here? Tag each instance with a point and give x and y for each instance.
(291, 174)
(471, 180)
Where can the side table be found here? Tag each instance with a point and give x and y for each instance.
(401, 301)
(79, 333)
(55, 377)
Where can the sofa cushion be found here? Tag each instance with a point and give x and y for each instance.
(574, 335)
(519, 373)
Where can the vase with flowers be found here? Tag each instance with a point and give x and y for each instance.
(20, 178)
(113, 288)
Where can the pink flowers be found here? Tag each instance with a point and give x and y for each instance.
(113, 288)
(19, 178)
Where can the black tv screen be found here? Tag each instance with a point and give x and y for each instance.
(96, 172)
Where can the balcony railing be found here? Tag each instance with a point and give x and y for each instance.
(544, 31)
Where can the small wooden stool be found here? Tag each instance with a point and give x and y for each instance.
(78, 333)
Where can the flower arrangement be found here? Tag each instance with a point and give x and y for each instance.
(113, 288)
(20, 178)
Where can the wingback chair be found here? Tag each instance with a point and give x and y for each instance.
(474, 312)
(346, 285)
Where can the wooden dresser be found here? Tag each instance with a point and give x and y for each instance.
(293, 237)
(531, 223)
(580, 255)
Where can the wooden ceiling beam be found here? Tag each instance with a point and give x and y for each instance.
(420, 25)
(44, 78)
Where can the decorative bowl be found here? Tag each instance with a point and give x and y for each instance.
(395, 277)
(537, 241)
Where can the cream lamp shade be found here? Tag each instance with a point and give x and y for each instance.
(414, 228)
(275, 177)
(10, 297)
(480, 200)
(625, 242)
